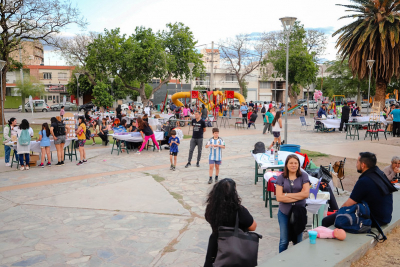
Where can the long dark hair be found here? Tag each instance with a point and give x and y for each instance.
(277, 117)
(82, 119)
(46, 127)
(24, 125)
(10, 121)
(286, 170)
(53, 120)
(222, 202)
(141, 123)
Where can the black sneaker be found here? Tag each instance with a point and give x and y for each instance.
(188, 165)
(84, 161)
(173, 168)
(197, 164)
(59, 164)
(62, 162)
(216, 179)
(210, 181)
(79, 163)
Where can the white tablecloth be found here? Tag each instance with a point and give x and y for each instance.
(35, 146)
(136, 136)
(335, 123)
(166, 116)
(263, 159)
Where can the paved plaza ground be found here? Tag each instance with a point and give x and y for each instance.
(131, 210)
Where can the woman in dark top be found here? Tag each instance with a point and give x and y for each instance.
(223, 203)
(204, 112)
(118, 110)
(292, 189)
(356, 112)
(103, 134)
(147, 132)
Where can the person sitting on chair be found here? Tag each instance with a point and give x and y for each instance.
(372, 187)
(393, 169)
(321, 111)
(356, 112)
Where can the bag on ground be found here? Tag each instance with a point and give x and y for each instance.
(236, 247)
(25, 138)
(259, 147)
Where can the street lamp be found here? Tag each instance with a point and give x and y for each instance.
(2, 64)
(287, 23)
(77, 89)
(112, 80)
(370, 64)
(190, 65)
(275, 73)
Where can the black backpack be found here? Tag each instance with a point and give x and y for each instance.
(60, 128)
(88, 134)
(259, 147)
(253, 117)
(263, 110)
(177, 109)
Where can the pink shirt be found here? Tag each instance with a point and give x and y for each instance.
(185, 111)
(62, 112)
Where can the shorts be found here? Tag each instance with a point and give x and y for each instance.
(187, 116)
(44, 146)
(173, 153)
(81, 142)
(218, 162)
(60, 140)
(276, 134)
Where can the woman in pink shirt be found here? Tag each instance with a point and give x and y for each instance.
(186, 112)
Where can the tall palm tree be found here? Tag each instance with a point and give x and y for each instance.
(373, 35)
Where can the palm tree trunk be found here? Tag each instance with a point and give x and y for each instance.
(381, 86)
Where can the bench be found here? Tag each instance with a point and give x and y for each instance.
(331, 252)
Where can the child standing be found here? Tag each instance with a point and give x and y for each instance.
(62, 112)
(44, 138)
(81, 133)
(216, 145)
(173, 149)
(276, 129)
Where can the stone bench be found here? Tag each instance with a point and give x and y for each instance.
(331, 252)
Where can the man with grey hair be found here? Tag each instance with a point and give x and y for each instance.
(392, 170)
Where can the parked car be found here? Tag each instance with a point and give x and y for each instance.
(38, 105)
(300, 101)
(350, 102)
(87, 106)
(311, 104)
(67, 106)
(124, 107)
(364, 104)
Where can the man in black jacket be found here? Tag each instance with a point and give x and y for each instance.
(345, 116)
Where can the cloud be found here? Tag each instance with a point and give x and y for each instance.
(327, 30)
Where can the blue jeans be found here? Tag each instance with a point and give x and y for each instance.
(21, 159)
(284, 228)
(224, 114)
(230, 113)
(7, 152)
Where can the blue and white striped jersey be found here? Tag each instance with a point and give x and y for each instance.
(215, 152)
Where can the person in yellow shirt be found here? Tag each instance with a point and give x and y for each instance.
(81, 133)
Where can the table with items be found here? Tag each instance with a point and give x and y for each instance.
(120, 138)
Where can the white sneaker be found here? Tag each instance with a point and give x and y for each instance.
(159, 150)
(93, 144)
(22, 168)
(138, 152)
(8, 164)
(26, 167)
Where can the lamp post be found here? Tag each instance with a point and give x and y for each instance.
(2, 64)
(77, 89)
(190, 65)
(370, 64)
(111, 79)
(287, 23)
(275, 73)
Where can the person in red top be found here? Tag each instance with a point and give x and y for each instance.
(249, 114)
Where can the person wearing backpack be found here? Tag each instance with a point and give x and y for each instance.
(81, 133)
(24, 134)
(372, 188)
(44, 138)
(58, 131)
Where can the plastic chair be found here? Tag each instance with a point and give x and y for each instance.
(304, 122)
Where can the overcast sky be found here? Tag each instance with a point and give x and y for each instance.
(210, 20)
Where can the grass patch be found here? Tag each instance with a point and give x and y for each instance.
(157, 177)
(185, 136)
(176, 195)
(313, 154)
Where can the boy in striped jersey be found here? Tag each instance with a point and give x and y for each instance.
(216, 145)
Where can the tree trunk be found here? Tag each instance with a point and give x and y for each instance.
(308, 96)
(142, 94)
(358, 95)
(381, 86)
(292, 95)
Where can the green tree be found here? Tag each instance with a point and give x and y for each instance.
(85, 86)
(102, 95)
(302, 64)
(143, 56)
(374, 34)
(29, 87)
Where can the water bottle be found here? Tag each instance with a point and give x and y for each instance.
(271, 158)
(330, 166)
(276, 158)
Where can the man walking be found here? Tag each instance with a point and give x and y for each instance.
(199, 127)
(345, 116)
(396, 120)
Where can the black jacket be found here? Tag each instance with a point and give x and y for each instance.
(300, 222)
(345, 112)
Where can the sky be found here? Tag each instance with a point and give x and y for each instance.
(209, 20)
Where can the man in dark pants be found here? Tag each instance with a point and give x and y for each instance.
(345, 116)
(373, 187)
(395, 114)
(199, 127)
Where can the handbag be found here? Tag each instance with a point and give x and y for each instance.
(236, 248)
(324, 174)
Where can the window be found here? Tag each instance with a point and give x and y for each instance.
(47, 75)
(62, 75)
(231, 78)
(265, 85)
(49, 97)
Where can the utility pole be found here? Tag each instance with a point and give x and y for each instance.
(212, 67)
(22, 79)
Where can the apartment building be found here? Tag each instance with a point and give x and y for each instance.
(31, 53)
